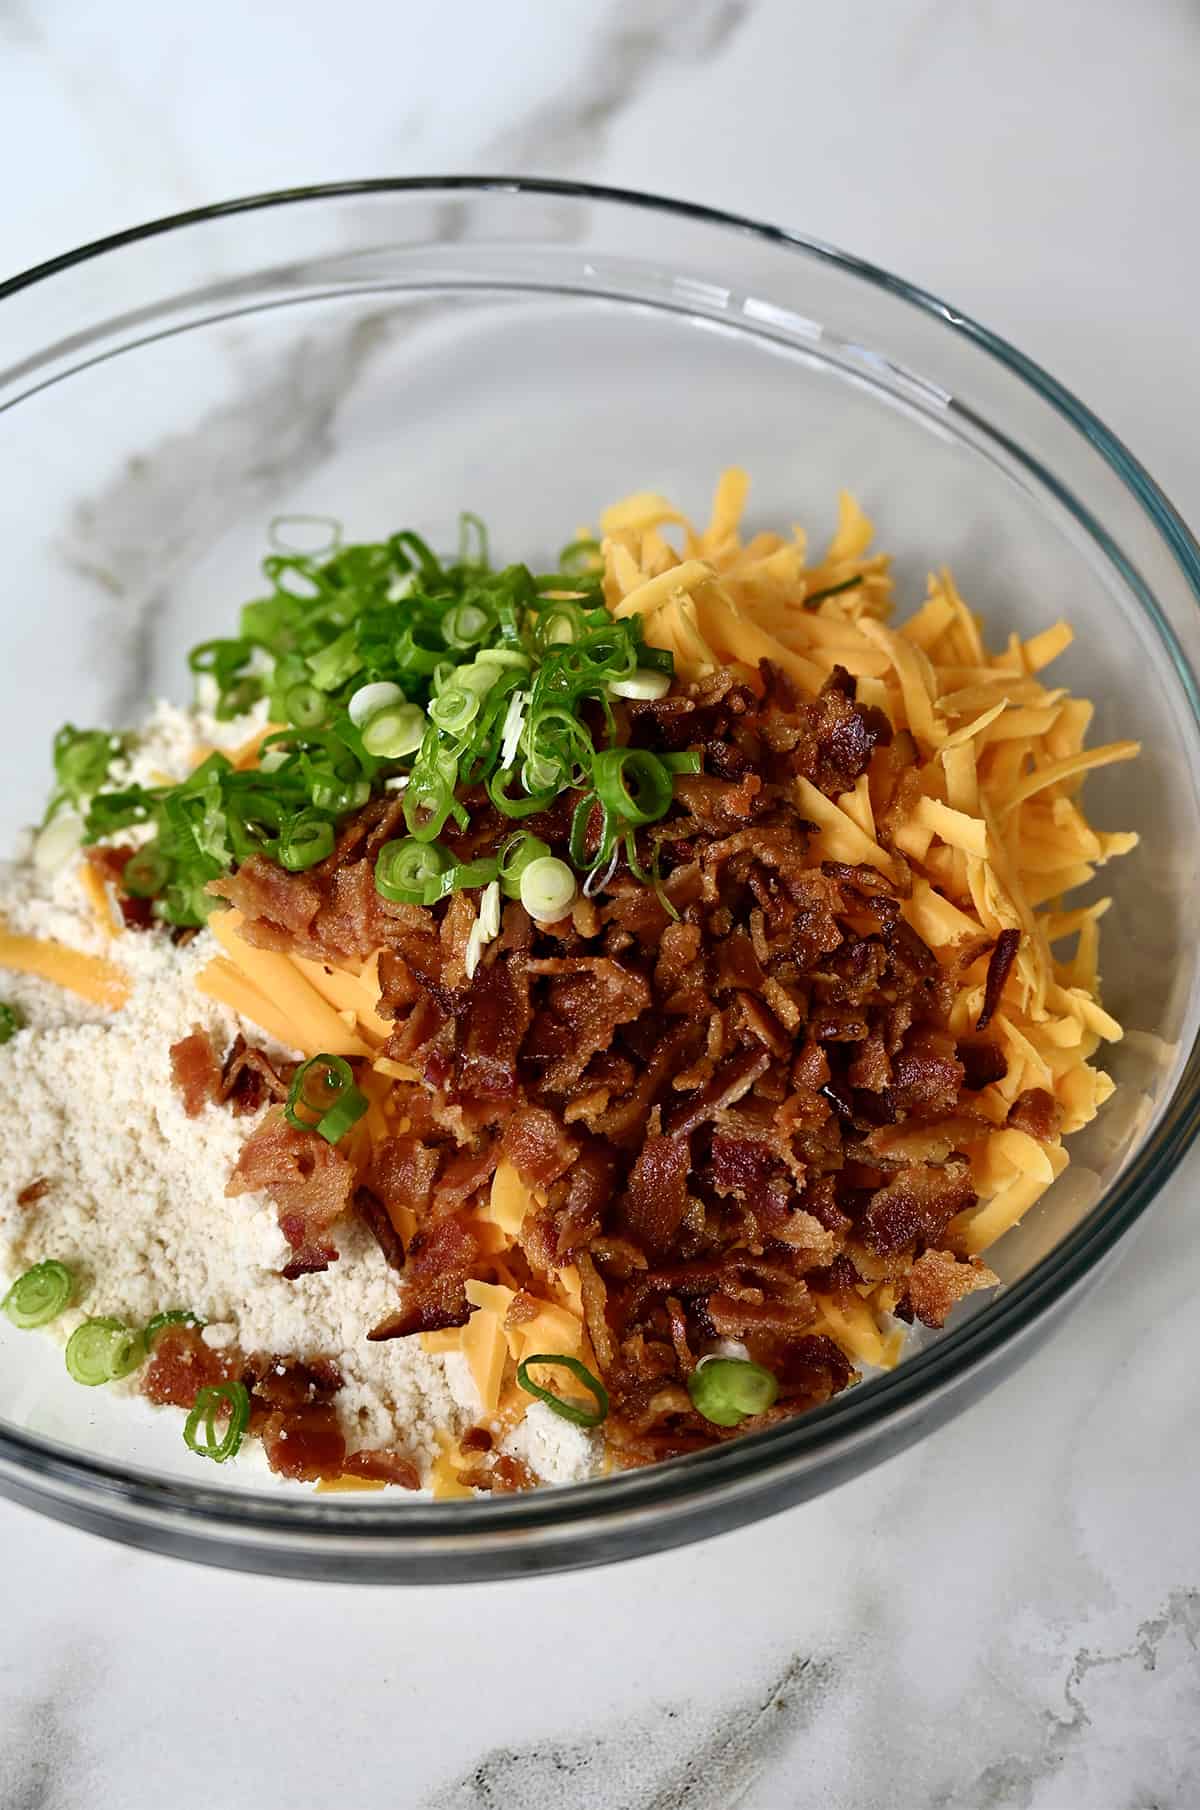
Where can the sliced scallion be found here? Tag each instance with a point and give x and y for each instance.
(727, 1391)
(102, 1349)
(324, 1099)
(547, 888)
(40, 1295)
(11, 1021)
(200, 1433)
(573, 1411)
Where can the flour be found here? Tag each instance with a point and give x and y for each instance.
(136, 1205)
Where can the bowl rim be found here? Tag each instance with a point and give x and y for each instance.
(207, 1523)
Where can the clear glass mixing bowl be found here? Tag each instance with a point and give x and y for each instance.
(395, 351)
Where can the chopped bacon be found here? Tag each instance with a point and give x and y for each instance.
(999, 967)
(655, 1198)
(271, 900)
(290, 1383)
(249, 1077)
(982, 1063)
(196, 1071)
(434, 1291)
(938, 1280)
(383, 1467)
(402, 1174)
(309, 1181)
(537, 1146)
(491, 1029)
(378, 1221)
(919, 1202)
(181, 1364)
(34, 1191)
(305, 1443)
(1037, 1112)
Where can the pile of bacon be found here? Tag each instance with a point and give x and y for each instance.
(694, 1080)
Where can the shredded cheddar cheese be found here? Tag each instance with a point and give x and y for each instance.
(90, 976)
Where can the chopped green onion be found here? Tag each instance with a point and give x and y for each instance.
(566, 1410)
(406, 870)
(633, 784)
(305, 705)
(174, 1316)
(39, 1295)
(200, 1429)
(340, 1118)
(465, 625)
(503, 656)
(103, 1349)
(515, 855)
(472, 540)
(833, 590)
(641, 683)
(11, 1021)
(324, 1099)
(336, 663)
(304, 840)
(82, 758)
(579, 556)
(146, 873)
(547, 888)
(730, 1390)
(454, 710)
(331, 792)
(369, 700)
(392, 733)
(480, 676)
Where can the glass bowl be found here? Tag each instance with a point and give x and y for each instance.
(392, 352)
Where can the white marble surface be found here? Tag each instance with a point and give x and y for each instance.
(1010, 1614)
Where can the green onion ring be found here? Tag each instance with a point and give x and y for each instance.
(727, 1391)
(633, 784)
(566, 1410)
(40, 1295)
(205, 1409)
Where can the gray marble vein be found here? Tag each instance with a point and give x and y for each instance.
(635, 47)
(667, 1759)
(136, 533)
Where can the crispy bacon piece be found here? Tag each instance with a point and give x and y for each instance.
(34, 1191)
(309, 1181)
(196, 1071)
(1037, 1112)
(735, 1077)
(375, 1217)
(270, 899)
(998, 970)
(982, 1062)
(537, 1146)
(655, 1198)
(919, 1202)
(434, 1295)
(383, 1467)
(181, 1364)
(305, 1443)
(938, 1280)
(249, 1077)
(490, 1031)
(289, 1382)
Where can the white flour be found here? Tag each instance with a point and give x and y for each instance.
(136, 1204)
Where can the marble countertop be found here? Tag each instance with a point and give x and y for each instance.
(1008, 1615)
